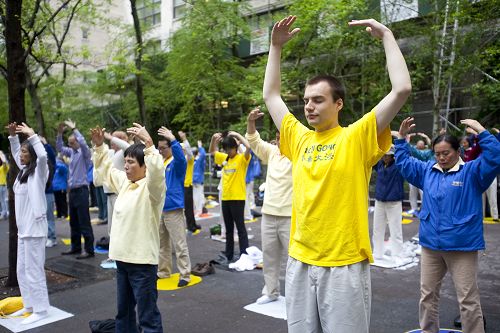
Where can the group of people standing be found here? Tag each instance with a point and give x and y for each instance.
(315, 206)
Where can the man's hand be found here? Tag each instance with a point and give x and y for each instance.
(60, 128)
(281, 31)
(108, 136)
(182, 135)
(70, 123)
(141, 133)
(166, 133)
(12, 128)
(406, 126)
(97, 135)
(375, 28)
(474, 125)
(25, 129)
(200, 144)
(255, 114)
(217, 137)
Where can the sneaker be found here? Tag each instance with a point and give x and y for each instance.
(255, 213)
(266, 299)
(50, 243)
(411, 212)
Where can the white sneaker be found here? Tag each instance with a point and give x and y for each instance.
(266, 299)
(50, 243)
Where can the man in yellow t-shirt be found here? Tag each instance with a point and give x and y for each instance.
(328, 273)
(4, 197)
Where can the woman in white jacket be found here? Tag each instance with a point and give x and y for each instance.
(31, 207)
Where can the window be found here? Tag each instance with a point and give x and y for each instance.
(179, 8)
(149, 12)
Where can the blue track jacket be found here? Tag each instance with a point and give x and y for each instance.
(175, 172)
(389, 184)
(451, 217)
(199, 167)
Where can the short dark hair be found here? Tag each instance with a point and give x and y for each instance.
(136, 151)
(169, 143)
(337, 88)
(30, 168)
(228, 141)
(451, 139)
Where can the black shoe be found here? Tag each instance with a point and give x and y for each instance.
(85, 256)
(182, 283)
(65, 253)
(457, 322)
(198, 227)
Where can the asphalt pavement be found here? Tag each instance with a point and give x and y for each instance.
(216, 304)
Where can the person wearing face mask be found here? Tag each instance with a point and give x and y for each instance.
(233, 186)
(451, 219)
(31, 221)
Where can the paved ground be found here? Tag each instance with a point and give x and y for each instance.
(216, 305)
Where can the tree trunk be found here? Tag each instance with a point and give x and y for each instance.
(138, 64)
(36, 104)
(16, 81)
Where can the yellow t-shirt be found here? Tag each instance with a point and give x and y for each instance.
(4, 169)
(188, 180)
(331, 172)
(234, 171)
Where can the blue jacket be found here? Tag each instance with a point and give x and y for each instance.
(175, 172)
(423, 155)
(199, 167)
(389, 184)
(60, 182)
(451, 217)
(253, 169)
(51, 157)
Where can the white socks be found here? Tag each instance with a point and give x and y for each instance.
(21, 312)
(266, 299)
(35, 316)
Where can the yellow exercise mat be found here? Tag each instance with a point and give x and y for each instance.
(489, 220)
(251, 221)
(67, 241)
(173, 280)
(406, 221)
(405, 214)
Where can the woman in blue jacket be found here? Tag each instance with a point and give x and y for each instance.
(451, 220)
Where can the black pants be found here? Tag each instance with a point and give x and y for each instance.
(61, 203)
(79, 219)
(233, 213)
(136, 288)
(93, 196)
(189, 209)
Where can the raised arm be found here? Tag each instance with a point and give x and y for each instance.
(259, 147)
(187, 146)
(426, 138)
(244, 141)
(65, 151)
(399, 76)
(214, 143)
(272, 80)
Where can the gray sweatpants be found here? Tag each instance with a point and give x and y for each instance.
(328, 299)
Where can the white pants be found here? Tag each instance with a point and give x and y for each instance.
(198, 198)
(491, 194)
(111, 206)
(328, 299)
(31, 273)
(250, 201)
(413, 196)
(388, 212)
(275, 238)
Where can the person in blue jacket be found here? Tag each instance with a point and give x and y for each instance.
(198, 179)
(389, 194)
(173, 221)
(60, 187)
(451, 219)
